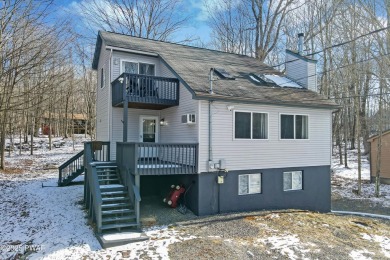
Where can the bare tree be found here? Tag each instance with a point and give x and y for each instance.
(152, 19)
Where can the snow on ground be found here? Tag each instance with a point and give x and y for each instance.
(344, 181)
(50, 223)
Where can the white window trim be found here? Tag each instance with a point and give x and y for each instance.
(251, 112)
(291, 181)
(138, 63)
(294, 139)
(249, 179)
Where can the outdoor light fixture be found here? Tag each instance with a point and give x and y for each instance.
(120, 80)
(230, 108)
(162, 122)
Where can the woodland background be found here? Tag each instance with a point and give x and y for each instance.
(45, 59)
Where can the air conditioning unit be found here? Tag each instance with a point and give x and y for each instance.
(189, 119)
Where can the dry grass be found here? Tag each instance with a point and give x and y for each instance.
(287, 234)
(12, 170)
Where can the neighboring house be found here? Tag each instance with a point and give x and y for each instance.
(384, 159)
(236, 133)
(77, 121)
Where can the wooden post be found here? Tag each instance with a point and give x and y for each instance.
(125, 108)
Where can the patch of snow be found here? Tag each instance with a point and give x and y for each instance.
(360, 254)
(384, 242)
(287, 245)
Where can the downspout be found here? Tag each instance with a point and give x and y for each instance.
(109, 101)
(210, 119)
(211, 164)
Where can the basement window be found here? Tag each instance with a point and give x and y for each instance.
(249, 183)
(292, 180)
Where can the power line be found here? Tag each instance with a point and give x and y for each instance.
(341, 67)
(338, 44)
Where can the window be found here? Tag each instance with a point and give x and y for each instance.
(146, 69)
(102, 78)
(250, 125)
(249, 183)
(138, 68)
(130, 67)
(292, 180)
(294, 127)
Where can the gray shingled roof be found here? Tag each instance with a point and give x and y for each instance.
(192, 65)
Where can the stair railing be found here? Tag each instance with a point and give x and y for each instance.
(96, 196)
(133, 191)
(95, 154)
(72, 166)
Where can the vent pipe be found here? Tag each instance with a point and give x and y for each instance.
(211, 80)
(300, 43)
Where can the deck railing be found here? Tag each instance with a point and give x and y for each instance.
(158, 158)
(145, 89)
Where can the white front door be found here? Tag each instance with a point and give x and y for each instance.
(149, 132)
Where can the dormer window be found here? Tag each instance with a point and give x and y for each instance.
(138, 68)
(130, 67)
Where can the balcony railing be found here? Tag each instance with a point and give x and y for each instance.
(157, 158)
(143, 91)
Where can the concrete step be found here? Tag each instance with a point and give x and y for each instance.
(120, 238)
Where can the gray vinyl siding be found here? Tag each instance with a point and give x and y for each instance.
(304, 72)
(175, 131)
(102, 97)
(119, 56)
(312, 76)
(271, 153)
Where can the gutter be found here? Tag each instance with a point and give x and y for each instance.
(251, 101)
(131, 51)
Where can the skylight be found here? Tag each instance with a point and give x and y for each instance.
(280, 81)
(223, 73)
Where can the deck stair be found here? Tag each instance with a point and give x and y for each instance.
(117, 218)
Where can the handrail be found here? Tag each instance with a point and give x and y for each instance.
(158, 158)
(73, 158)
(74, 165)
(145, 89)
(97, 196)
(95, 154)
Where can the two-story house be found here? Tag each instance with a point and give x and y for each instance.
(240, 134)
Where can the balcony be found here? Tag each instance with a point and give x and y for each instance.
(145, 92)
(157, 158)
